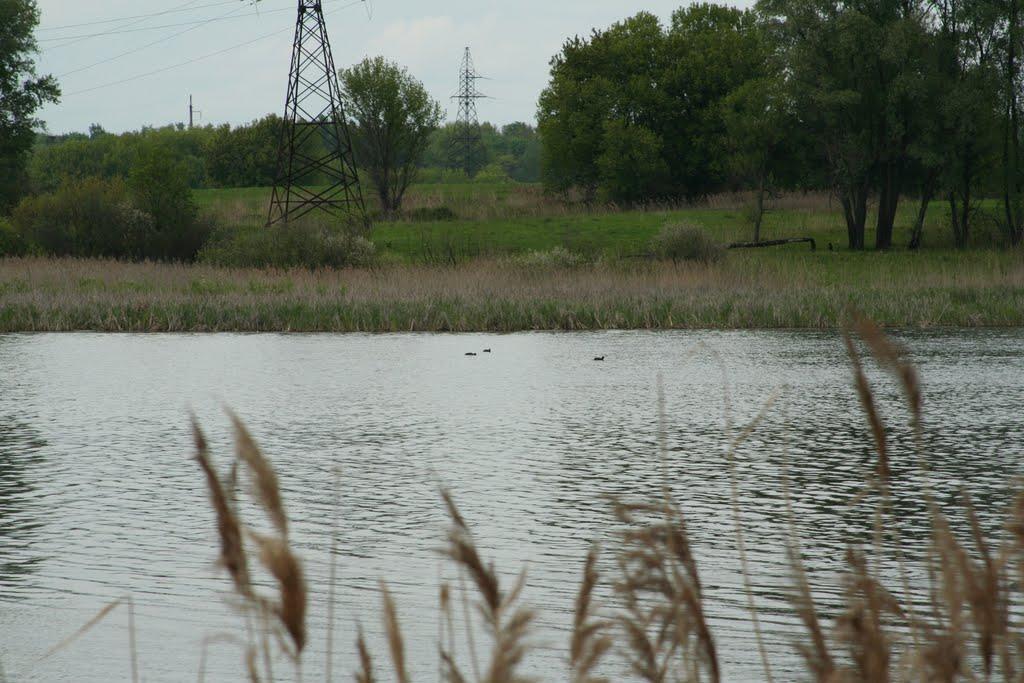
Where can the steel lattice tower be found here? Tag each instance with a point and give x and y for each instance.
(315, 143)
(467, 146)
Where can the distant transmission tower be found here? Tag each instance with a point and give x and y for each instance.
(467, 149)
(315, 165)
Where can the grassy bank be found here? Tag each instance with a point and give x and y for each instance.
(786, 289)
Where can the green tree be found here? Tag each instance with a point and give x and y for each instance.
(612, 76)
(858, 73)
(22, 93)
(159, 187)
(244, 156)
(760, 135)
(632, 168)
(668, 83)
(393, 117)
(711, 50)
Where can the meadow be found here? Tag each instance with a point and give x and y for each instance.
(509, 258)
(495, 219)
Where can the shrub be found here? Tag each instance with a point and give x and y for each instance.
(94, 217)
(686, 242)
(89, 217)
(559, 257)
(11, 243)
(308, 243)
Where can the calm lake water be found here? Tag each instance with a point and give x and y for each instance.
(99, 497)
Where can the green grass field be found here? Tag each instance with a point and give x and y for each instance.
(501, 219)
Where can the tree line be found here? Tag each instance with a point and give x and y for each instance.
(877, 101)
(246, 156)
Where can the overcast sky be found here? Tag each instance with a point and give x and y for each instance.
(512, 42)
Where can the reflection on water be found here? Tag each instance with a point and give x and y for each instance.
(98, 497)
(21, 518)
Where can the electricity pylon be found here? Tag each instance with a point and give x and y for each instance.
(315, 164)
(466, 149)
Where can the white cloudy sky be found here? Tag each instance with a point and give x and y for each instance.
(512, 42)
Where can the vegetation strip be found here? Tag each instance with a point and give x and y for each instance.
(797, 289)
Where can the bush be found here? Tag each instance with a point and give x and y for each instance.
(308, 244)
(90, 217)
(11, 243)
(94, 217)
(686, 242)
(559, 257)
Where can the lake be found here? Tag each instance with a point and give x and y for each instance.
(99, 496)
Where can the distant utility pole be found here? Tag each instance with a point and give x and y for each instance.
(315, 165)
(192, 111)
(466, 149)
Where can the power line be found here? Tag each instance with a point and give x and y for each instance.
(137, 16)
(138, 49)
(200, 58)
(184, 6)
(197, 22)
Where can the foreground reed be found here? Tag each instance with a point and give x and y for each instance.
(962, 626)
(744, 291)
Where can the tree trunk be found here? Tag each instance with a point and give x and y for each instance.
(954, 221)
(927, 191)
(1011, 135)
(759, 210)
(888, 200)
(855, 210)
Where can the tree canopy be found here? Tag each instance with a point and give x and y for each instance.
(393, 117)
(22, 93)
(873, 100)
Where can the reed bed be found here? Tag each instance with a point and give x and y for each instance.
(962, 624)
(796, 291)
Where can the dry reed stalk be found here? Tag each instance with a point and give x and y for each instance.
(508, 624)
(229, 528)
(985, 597)
(216, 639)
(333, 576)
(365, 672)
(449, 668)
(862, 625)
(589, 643)
(731, 452)
(100, 616)
(396, 643)
(817, 656)
(267, 489)
(251, 666)
(945, 655)
(893, 357)
(660, 585)
(867, 401)
(276, 556)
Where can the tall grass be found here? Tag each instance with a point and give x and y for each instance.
(745, 290)
(962, 626)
